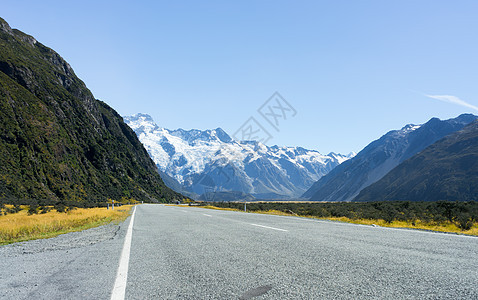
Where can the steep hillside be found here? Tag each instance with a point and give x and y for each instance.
(56, 141)
(446, 170)
(211, 161)
(379, 157)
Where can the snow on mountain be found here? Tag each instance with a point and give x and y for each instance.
(210, 160)
(380, 157)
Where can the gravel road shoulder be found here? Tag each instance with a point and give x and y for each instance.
(76, 265)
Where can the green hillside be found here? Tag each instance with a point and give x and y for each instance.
(57, 142)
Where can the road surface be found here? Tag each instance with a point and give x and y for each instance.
(194, 253)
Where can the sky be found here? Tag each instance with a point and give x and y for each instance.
(325, 75)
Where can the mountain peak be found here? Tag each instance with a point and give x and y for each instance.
(222, 135)
(465, 118)
(422, 177)
(140, 122)
(5, 27)
(410, 127)
(143, 117)
(79, 147)
(199, 158)
(381, 156)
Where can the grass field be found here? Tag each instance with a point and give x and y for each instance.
(417, 224)
(21, 226)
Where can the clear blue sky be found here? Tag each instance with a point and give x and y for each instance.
(351, 69)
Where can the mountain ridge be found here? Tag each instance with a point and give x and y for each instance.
(381, 156)
(446, 170)
(210, 160)
(57, 142)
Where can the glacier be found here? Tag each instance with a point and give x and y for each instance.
(205, 161)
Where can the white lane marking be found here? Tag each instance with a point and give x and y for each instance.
(411, 230)
(268, 227)
(207, 215)
(184, 211)
(119, 289)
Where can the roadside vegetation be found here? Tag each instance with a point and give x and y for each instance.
(27, 222)
(444, 216)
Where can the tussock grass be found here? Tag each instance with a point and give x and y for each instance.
(418, 224)
(447, 227)
(220, 208)
(21, 227)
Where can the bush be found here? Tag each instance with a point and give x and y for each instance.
(16, 208)
(464, 221)
(464, 214)
(33, 209)
(60, 207)
(44, 209)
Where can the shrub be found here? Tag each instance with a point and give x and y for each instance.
(44, 209)
(16, 208)
(33, 209)
(464, 221)
(463, 214)
(60, 207)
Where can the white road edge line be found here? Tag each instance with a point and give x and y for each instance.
(268, 227)
(119, 289)
(207, 215)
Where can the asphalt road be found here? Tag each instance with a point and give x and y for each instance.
(194, 253)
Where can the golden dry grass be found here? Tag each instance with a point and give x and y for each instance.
(443, 227)
(220, 208)
(21, 227)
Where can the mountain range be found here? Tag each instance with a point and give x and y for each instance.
(446, 170)
(210, 161)
(58, 142)
(346, 181)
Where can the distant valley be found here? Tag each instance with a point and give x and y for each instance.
(58, 142)
(209, 165)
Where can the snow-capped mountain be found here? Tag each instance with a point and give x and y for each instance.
(380, 157)
(210, 160)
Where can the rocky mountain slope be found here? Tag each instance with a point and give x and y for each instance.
(446, 170)
(56, 141)
(211, 161)
(379, 157)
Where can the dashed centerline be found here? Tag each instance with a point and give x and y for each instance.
(268, 227)
(207, 215)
